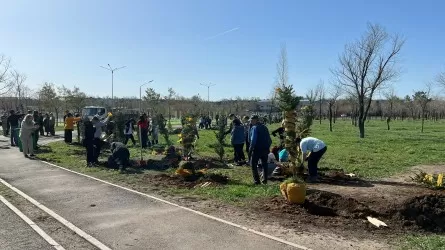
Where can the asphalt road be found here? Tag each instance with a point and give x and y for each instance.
(15, 234)
(119, 218)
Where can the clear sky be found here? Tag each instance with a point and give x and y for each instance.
(176, 43)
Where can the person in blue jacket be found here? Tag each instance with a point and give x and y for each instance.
(237, 140)
(260, 143)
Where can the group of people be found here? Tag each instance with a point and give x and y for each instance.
(255, 135)
(205, 122)
(146, 127)
(26, 128)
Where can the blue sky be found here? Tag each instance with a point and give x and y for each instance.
(65, 42)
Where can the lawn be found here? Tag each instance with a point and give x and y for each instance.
(381, 154)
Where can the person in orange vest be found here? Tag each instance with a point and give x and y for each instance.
(69, 127)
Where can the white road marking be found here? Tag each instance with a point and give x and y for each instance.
(59, 218)
(186, 208)
(28, 221)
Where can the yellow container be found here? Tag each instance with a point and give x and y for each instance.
(283, 189)
(296, 193)
(440, 180)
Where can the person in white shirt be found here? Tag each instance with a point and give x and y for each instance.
(312, 149)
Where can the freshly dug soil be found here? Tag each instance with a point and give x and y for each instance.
(330, 204)
(427, 212)
(348, 216)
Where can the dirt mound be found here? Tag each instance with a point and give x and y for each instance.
(329, 204)
(427, 212)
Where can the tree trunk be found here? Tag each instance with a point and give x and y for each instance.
(330, 118)
(361, 127)
(387, 123)
(319, 113)
(423, 121)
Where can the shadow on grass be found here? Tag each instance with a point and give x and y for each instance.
(44, 149)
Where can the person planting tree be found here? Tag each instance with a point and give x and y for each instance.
(312, 150)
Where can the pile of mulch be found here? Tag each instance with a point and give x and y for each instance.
(165, 180)
(424, 214)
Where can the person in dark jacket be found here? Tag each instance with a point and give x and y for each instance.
(120, 156)
(41, 125)
(237, 140)
(128, 131)
(46, 124)
(13, 123)
(247, 125)
(88, 141)
(260, 143)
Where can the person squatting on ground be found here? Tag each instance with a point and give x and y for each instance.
(69, 127)
(120, 156)
(26, 135)
(128, 131)
(316, 149)
(237, 140)
(260, 143)
(97, 141)
(13, 124)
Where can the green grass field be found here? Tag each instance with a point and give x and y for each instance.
(381, 154)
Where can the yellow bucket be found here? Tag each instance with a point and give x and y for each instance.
(296, 193)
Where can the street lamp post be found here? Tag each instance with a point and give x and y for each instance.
(112, 81)
(140, 95)
(208, 92)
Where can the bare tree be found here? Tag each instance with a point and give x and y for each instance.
(366, 66)
(320, 93)
(391, 99)
(422, 98)
(441, 79)
(334, 94)
(5, 82)
(282, 67)
(49, 99)
(18, 84)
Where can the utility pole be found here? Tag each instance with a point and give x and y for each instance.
(112, 81)
(208, 89)
(208, 85)
(140, 95)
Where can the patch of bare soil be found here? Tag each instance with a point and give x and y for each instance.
(340, 204)
(165, 180)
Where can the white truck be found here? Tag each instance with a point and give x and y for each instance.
(91, 111)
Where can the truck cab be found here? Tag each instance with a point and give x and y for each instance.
(91, 111)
